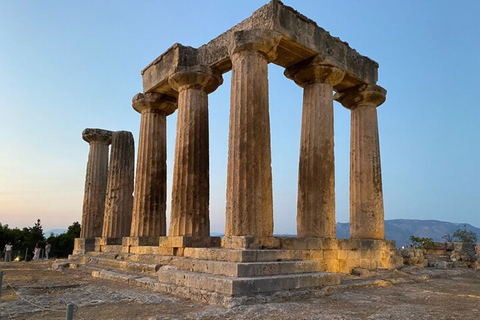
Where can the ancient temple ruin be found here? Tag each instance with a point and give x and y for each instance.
(249, 259)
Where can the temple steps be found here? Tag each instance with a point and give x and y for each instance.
(218, 276)
(245, 269)
(233, 286)
(237, 255)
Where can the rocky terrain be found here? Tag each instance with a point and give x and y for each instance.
(32, 290)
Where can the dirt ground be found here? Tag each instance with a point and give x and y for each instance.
(41, 293)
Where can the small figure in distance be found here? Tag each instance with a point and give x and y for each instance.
(8, 252)
(36, 252)
(48, 247)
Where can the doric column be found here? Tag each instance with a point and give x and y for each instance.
(366, 197)
(95, 182)
(249, 210)
(149, 203)
(316, 174)
(190, 190)
(119, 199)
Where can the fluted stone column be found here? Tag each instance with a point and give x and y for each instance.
(190, 190)
(249, 210)
(316, 175)
(119, 199)
(95, 182)
(366, 196)
(149, 203)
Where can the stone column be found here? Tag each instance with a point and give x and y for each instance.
(149, 203)
(316, 174)
(119, 199)
(95, 182)
(190, 190)
(366, 197)
(249, 210)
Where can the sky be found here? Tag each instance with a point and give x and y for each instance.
(66, 66)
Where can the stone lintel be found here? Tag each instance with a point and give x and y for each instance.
(301, 39)
(97, 135)
(186, 241)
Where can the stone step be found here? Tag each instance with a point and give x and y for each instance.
(248, 285)
(132, 279)
(238, 255)
(245, 269)
(125, 265)
(438, 258)
(148, 258)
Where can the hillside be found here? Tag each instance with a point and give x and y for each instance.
(400, 230)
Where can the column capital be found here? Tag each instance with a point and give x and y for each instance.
(264, 41)
(362, 95)
(197, 77)
(153, 101)
(97, 135)
(314, 70)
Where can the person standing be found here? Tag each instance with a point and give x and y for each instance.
(8, 252)
(47, 250)
(36, 252)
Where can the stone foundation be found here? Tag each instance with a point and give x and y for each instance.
(331, 255)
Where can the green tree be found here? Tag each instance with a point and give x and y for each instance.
(465, 235)
(422, 243)
(62, 244)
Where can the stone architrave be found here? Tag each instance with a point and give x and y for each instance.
(190, 190)
(249, 209)
(119, 200)
(95, 182)
(149, 203)
(366, 195)
(316, 175)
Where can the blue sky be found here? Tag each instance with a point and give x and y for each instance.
(65, 66)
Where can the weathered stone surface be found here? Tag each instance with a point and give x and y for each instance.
(316, 177)
(149, 202)
(249, 209)
(301, 39)
(366, 195)
(95, 182)
(83, 245)
(119, 199)
(190, 190)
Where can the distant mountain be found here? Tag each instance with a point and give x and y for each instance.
(400, 230)
(55, 232)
